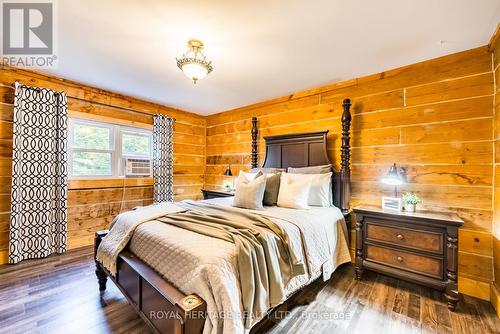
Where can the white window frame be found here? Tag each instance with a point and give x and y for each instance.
(117, 156)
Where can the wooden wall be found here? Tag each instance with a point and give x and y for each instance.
(434, 118)
(495, 294)
(94, 203)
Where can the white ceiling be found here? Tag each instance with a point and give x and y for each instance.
(260, 49)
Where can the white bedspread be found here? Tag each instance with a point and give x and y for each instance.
(123, 228)
(206, 266)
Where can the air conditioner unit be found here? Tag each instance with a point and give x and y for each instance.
(137, 167)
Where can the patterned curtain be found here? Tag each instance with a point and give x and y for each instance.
(39, 174)
(163, 158)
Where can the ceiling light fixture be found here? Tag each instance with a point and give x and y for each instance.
(194, 63)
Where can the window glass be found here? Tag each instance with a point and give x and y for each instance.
(136, 144)
(91, 137)
(91, 163)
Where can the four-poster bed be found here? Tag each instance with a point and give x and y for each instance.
(149, 292)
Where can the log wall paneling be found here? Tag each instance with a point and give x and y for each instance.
(439, 119)
(434, 118)
(94, 203)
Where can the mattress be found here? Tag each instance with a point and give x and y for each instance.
(207, 266)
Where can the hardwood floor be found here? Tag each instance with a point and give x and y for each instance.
(381, 304)
(60, 295)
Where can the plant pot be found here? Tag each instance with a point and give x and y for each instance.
(410, 207)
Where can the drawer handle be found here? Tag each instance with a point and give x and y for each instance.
(400, 259)
(400, 237)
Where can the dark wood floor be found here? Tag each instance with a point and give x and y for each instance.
(60, 295)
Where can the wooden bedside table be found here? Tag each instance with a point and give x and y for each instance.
(207, 194)
(420, 247)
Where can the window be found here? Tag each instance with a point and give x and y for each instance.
(98, 149)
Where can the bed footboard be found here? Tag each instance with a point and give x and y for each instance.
(161, 305)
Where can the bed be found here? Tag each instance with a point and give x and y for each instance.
(193, 287)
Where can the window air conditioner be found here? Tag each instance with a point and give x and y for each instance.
(137, 167)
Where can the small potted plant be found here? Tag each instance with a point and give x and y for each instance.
(410, 201)
(228, 186)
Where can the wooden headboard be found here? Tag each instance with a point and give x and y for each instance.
(309, 149)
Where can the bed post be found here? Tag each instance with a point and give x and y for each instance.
(345, 156)
(102, 277)
(255, 157)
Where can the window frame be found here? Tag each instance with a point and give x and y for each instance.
(116, 140)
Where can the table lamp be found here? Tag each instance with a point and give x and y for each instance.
(228, 172)
(392, 178)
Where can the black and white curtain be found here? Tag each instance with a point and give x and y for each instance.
(39, 174)
(163, 158)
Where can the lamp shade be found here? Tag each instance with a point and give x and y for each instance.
(392, 177)
(228, 171)
(194, 71)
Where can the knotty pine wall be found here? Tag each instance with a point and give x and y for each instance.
(94, 203)
(495, 293)
(434, 118)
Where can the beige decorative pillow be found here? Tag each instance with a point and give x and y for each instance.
(272, 186)
(250, 193)
(294, 193)
(249, 175)
(268, 170)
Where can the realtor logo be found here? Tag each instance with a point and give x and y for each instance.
(28, 30)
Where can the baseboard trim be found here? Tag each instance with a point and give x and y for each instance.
(474, 288)
(495, 298)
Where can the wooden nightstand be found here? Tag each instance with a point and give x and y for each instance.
(420, 247)
(207, 194)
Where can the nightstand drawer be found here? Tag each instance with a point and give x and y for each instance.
(403, 260)
(414, 238)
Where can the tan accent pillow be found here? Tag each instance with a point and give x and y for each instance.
(272, 189)
(272, 186)
(250, 193)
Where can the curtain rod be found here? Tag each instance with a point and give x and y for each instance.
(163, 116)
(37, 89)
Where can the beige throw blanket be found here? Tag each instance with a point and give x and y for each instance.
(265, 256)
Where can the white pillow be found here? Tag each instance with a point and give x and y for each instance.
(321, 188)
(294, 192)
